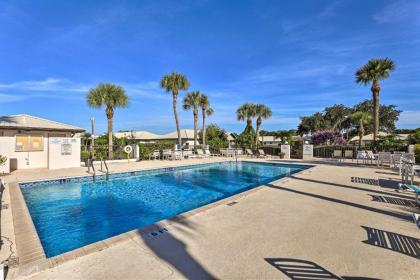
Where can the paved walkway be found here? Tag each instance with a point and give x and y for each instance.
(343, 220)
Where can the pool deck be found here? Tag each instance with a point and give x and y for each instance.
(345, 219)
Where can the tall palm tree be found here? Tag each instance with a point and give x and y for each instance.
(206, 110)
(262, 112)
(192, 100)
(173, 83)
(246, 112)
(361, 119)
(372, 72)
(111, 96)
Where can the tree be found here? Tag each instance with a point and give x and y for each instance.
(216, 138)
(361, 119)
(388, 115)
(374, 71)
(414, 138)
(261, 112)
(192, 100)
(312, 123)
(173, 83)
(246, 112)
(111, 97)
(336, 117)
(206, 110)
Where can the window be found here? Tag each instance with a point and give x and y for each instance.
(28, 143)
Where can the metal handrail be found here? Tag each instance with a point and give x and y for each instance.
(90, 164)
(106, 167)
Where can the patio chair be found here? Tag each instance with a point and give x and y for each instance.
(187, 153)
(412, 188)
(249, 153)
(384, 158)
(348, 154)
(200, 154)
(338, 154)
(239, 152)
(208, 153)
(262, 154)
(361, 155)
(154, 155)
(370, 156)
(166, 154)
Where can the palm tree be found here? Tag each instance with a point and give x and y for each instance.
(192, 100)
(174, 83)
(111, 96)
(361, 119)
(246, 112)
(206, 110)
(372, 72)
(262, 112)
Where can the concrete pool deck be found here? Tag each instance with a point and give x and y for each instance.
(347, 220)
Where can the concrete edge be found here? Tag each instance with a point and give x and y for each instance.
(33, 258)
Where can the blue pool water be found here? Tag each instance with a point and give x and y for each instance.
(68, 215)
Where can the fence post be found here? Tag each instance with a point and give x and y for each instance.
(286, 150)
(137, 152)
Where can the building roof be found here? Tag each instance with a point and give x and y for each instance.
(145, 135)
(28, 122)
(369, 137)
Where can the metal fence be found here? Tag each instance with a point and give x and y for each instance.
(328, 151)
(102, 152)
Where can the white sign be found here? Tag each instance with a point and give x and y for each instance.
(308, 151)
(286, 150)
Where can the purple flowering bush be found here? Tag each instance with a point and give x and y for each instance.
(327, 136)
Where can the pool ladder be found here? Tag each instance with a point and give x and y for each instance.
(103, 163)
(90, 165)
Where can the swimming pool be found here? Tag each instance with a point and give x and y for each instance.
(72, 213)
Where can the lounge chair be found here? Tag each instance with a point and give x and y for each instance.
(413, 188)
(166, 154)
(249, 153)
(262, 154)
(383, 158)
(154, 155)
(208, 153)
(200, 154)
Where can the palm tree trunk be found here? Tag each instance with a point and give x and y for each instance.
(195, 126)
(376, 88)
(248, 124)
(174, 97)
(361, 133)
(203, 132)
(110, 143)
(257, 132)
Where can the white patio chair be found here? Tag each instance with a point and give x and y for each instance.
(361, 155)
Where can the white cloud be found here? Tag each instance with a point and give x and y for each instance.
(49, 84)
(8, 98)
(398, 11)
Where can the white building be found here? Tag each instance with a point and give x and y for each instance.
(270, 140)
(187, 136)
(32, 142)
(368, 139)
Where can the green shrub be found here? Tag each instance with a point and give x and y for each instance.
(84, 155)
(147, 148)
(417, 153)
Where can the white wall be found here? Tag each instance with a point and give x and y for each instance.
(64, 152)
(4, 151)
(32, 159)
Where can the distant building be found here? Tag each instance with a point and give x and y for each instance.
(33, 142)
(368, 139)
(187, 136)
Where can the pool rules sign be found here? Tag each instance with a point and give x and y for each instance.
(63, 152)
(308, 151)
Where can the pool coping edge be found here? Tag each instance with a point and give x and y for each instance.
(33, 259)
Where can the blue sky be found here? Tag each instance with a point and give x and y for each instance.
(295, 56)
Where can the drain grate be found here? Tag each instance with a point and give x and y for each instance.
(232, 203)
